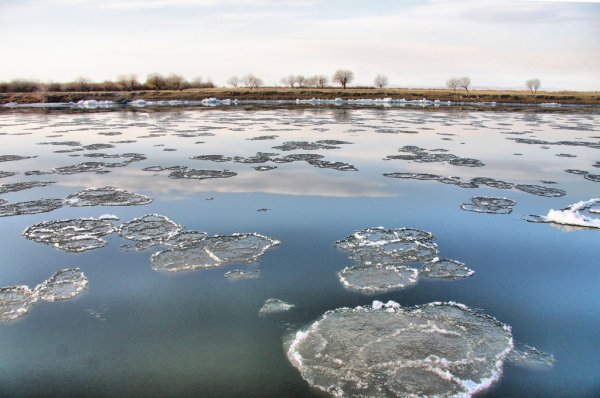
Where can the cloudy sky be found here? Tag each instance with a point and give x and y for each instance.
(416, 43)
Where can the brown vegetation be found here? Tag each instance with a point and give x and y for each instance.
(265, 93)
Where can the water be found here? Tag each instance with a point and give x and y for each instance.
(137, 331)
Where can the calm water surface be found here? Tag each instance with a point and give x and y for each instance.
(138, 332)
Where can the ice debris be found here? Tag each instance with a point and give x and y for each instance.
(580, 214)
(273, 306)
(72, 235)
(15, 301)
(492, 205)
(106, 196)
(432, 350)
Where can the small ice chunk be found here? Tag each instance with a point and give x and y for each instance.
(273, 306)
(106, 196)
(492, 205)
(239, 274)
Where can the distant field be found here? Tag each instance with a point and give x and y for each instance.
(563, 97)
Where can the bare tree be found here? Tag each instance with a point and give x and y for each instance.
(251, 81)
(155, 81)
(381, 81)
(289, 81)
(127, 82)
(311, 81)
(321, 81)
(234, 81)
(300, 81)
(453, 83)
(464, 82)
(343, 77)
(175, 82)
(533, 85)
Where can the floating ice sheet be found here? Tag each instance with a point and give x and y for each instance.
(4, 174)
(541, 190)
(80, 168)
(73, 235)
(21, 186)
(433, 350)
(308, 146)
(106, 196)
(422, 155)
(580, 214)
(446, 269)
(274, 306)
(215, 251)
(150, 230)
(63, 285)
(486, 204)
(15, 301)
(11, 158)
(30, 207)
(378, 278)
(198, 174)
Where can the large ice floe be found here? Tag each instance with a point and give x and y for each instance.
(106, 196)
(393, 259)
(15, 301)
(421, 155)
(72, 235)
(432, 350)
(580, 214)
(211, 252)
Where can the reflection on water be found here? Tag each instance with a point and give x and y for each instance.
(115, 180)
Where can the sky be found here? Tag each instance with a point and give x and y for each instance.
(415, 43)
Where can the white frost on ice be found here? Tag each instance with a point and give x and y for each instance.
(574, 214)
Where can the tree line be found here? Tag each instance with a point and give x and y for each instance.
(156, 81)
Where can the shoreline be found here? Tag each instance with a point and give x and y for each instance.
(289, 94)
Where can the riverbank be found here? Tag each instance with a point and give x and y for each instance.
(561, 97)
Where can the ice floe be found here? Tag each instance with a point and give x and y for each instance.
(393, 259)
(63, 285)
(12, 158)
(492, 205)
(106, 196)
(21, 186)
(580, 214)
(149, 230)
(198, 174)
(72, 235)
(30, 207)
(240, 274)
(530, 357)
(432, 350)
(214, 251)
(446, 269)
(421, 155)
(15, 301)
(274, 306)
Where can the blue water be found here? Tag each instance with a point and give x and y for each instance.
(197, 334)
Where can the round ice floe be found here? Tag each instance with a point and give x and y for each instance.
(74, 235)
(198, 174)
(378, 278)
(434, 350)
(149, 230)
(213, 252)
(15, 301)
(273, 306)
(63, 285)
(106, 196)
(492, 205)
(580, 214)
(447, 269)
